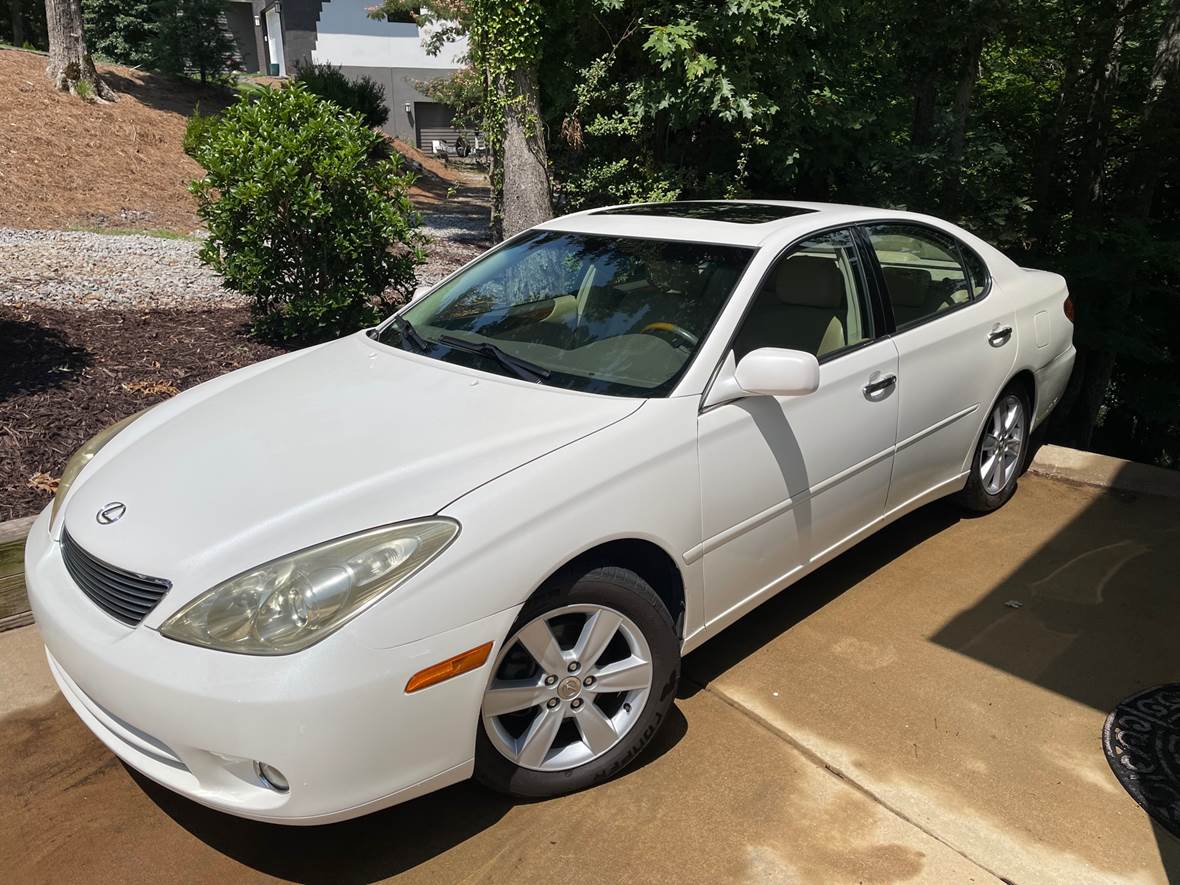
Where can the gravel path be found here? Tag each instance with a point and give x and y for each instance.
(82, 270)
(75, 269)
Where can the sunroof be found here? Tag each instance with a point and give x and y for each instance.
(739, 213)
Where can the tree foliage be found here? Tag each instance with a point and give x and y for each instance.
(122, 30)
(1048, 127)
(173, 36)
(307, 215)
(363, 96)
(192, 37)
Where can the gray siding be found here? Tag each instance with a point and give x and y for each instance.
(400, 89)
(240, 19)
(434, 123)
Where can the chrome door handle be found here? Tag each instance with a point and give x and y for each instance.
(999, 337)
(880, 384)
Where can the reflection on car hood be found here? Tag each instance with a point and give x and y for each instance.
(308, 447)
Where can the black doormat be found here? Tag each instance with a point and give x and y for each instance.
(1141, 738)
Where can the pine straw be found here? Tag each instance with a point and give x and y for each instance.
(65, 162)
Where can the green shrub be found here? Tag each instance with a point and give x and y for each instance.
(198, 128)
(305, 216)
(363, 96)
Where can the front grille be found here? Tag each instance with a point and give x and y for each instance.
(124, 595)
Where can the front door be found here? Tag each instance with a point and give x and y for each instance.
(785, 480)
(274, 42)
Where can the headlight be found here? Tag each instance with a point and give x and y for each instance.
(81, 458)
(296, 600)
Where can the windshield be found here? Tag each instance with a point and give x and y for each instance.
(594, 313)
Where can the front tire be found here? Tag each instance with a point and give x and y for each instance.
(585, 680)
(1000, 454)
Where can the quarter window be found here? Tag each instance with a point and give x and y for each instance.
(812, 300)
(978, 270)
(924, 274)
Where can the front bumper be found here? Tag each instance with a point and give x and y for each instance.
(334, 718)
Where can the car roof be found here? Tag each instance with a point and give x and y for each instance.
(732, 222)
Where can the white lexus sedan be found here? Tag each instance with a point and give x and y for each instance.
(478, 538)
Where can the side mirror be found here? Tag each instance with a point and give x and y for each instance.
(773, 371)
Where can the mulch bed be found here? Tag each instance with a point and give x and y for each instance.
(65, 375)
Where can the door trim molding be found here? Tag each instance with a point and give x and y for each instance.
(726, 535)
(934, 428)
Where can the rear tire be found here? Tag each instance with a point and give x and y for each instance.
(604, 623)
(1000, 454)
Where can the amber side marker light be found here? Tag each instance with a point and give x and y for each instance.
(1067, 306)
(444, 670)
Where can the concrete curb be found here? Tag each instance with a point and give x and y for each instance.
(1088, 468)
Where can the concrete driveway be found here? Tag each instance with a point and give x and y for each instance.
(891, 718)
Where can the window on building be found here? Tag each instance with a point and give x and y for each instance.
(409, 15)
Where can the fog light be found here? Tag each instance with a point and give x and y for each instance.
(272, 777)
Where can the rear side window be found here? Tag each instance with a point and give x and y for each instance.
(923, 270)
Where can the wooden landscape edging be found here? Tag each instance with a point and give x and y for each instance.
(14, 604)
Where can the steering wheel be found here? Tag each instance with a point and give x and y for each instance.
(679, 334)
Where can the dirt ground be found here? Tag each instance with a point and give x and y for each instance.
(66, 375)
(888, 719)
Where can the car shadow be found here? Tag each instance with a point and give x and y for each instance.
(783, 611)
(36, 358)
(368, 848)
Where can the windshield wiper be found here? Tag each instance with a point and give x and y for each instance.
(521, 368)
(409, 333)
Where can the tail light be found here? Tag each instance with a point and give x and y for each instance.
(1067, 306)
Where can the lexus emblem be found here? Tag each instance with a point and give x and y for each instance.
(112, 512)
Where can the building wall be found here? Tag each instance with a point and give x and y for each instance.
(349, 38)
(239, 17)
(300, 19)
(339, 32)
(400, 88)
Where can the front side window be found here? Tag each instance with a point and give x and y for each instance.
(923, 272)
(811, 300)
(586, 312)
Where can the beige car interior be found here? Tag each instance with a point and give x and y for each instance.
(923, 279)
(808, 303)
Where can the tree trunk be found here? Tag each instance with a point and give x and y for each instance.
(70, 66)
(922, 127)
(527, 196)
(1096, 131)
(1157, 128)
(496, 166)
(968, 76)
(1049, 147)
(18, 22)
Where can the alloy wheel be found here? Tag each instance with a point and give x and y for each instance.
(567, 687)
(1003, 445)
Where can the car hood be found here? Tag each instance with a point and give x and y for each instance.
(308, 447)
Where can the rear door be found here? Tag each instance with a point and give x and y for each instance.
(956, 347)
